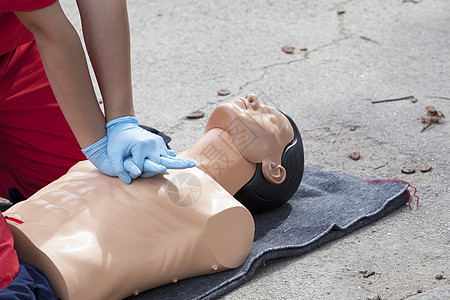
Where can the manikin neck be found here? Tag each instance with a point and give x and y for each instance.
(216, 155)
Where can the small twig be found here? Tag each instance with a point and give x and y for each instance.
(412, 98)
(426, 126)
(370, 40)
(439, 97)
(379, 167)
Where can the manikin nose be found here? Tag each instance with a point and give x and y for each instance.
(253, 101)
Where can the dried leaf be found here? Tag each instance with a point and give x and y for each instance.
(434, 117)
(408, 170)
(196, 115)
(355, 155)
(425, 168)
(223, 92)
(288, 49)
(431, 109)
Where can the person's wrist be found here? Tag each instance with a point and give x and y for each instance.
(95, 147)
(119, 121)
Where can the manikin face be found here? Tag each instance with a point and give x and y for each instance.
(259, 132)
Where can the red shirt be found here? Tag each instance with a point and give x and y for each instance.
(9, 264)
(12, 32)
(12, 35)
(37, 145)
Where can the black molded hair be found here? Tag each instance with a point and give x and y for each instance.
(259, 195)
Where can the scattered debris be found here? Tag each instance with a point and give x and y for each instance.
(379, 167)
(408, 170)
(341, 12)
(412, 1)
(288, 49)
(434, 116)
(419, 291)
(223, 92)
(368, 274)
(439, 276)
(373, 297)
(352, 128)
(355, 155)
(431, 109)
(195, 115)
(425, 168)
(303, 49)
(369, 40)
(412, 98)
(439, 97)
(363, 271)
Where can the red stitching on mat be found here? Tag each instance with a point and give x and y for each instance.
(410, 198)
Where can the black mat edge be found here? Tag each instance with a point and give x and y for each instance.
(332, 233)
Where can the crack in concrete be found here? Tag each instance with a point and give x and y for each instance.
(338, 5)
(265, 69)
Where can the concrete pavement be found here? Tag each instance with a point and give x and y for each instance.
(346, 54)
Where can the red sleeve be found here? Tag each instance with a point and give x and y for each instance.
(12, 32)
(23, 5)
(9, 264)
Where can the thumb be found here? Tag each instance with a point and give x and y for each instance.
(131, 168)
(117, 163)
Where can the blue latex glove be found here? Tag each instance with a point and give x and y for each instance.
(169, 162)
(98, 156)
(148, 151)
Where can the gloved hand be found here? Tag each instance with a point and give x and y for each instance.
(98, 156)
(149, 152)
(169, 162)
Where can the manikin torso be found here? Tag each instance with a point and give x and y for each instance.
(98, 238)
(92, 244)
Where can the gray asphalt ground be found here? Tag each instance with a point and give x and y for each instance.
(347, 54)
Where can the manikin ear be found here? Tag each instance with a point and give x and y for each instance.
(273, 172)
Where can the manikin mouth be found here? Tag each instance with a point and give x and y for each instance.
(243, 102)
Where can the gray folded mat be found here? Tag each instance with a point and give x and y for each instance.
(326, 206)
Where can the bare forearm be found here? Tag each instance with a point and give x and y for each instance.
(72, 87)
(107, 37)
(66, 69)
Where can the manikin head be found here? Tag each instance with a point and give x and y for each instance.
(271, 140)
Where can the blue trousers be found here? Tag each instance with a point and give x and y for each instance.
(29, 284)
